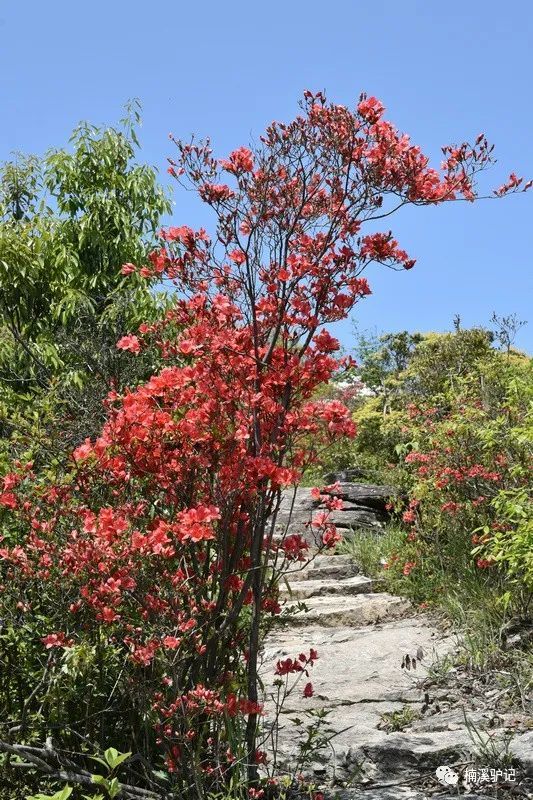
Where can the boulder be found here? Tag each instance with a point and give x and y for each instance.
(366, 494)
(383, 793)
(326, 567)
(296, 511)
(402, 754)
(358, 517)
(364, 507)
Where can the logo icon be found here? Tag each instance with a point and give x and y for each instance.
(447, 776)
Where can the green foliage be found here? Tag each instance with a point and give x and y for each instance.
(63, 794)
(441, 360)
(511, 545)
(450, 423)
(68, 222)
(399, 720)
(383, 358)
(380, 437)
(372, 550)
(110, 784)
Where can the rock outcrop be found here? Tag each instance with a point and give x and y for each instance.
(365, 506)
(390, 734)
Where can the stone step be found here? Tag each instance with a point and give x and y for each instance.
(332, 571)
(326, 559)
(303, 589)
(324, 567)
(332, 611)
(358, 517)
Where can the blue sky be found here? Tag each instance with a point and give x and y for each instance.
(445, 71)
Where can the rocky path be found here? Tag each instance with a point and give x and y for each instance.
(365, 639)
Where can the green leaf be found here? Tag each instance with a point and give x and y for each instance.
(63, 794)
(99, 760)
(113, 787)
(114, 758)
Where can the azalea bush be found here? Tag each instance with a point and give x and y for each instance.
(458, 438)
(148, 573)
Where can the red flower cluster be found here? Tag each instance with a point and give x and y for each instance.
(291, 665)
(239, 161)
(56, 640)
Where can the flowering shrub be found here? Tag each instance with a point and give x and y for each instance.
(152, 567)
(463, 433)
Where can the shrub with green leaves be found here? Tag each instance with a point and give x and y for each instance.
(68, 222)
(453, 428)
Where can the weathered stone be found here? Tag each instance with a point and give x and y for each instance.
(384, 793)
(358, 517)
(302, 590)
(364, 494)
(453, 720)
(296, 511)
(330, 559)
(364, 506)
(401, 754)
(345, 476)
(332, 611)
(335, 567)
(392, 793)
(522, 749)
(365, 662)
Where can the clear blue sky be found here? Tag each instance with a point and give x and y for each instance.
(445, 71)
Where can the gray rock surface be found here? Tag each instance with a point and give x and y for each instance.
(358, 517)
(327, 568)
(295, 514)
(385, 793)
(364, 494)
(408, 754)
(359, 676)
(302, 590)
(395, 793)
(363, 609)
(362, 638)
(344, 476)
(364, 507)
(522, 749)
